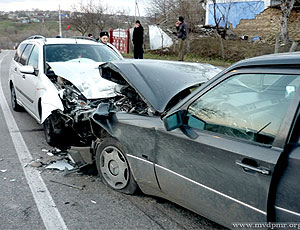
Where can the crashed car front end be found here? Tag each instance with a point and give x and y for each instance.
(80, 90)
(134, 133)
(149, 88)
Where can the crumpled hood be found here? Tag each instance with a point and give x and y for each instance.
(156, 81)
(85, 76)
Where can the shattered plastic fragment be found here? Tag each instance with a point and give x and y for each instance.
(55, 151)
(45, 150)
(60, 165)
(50, 154)
(3, 170)
(94, 202)
(69, 185)
(12, 180)
(36, 164)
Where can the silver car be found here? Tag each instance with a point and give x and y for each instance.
(57, 81)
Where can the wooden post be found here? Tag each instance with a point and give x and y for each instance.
(277, 44)
(293, 46)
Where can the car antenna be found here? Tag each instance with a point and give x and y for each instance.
(265, 126)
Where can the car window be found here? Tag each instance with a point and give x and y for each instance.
(79, 53)
(247, 106)
(25, 54)
(19, 52)
(34, 58)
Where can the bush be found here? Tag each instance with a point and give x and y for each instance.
(235, 50)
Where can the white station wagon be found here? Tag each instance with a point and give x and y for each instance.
(57, 81)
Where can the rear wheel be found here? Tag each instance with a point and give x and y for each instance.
(113, 167)
(13, 98)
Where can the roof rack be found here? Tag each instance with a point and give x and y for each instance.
(36, 37)
(85, 38)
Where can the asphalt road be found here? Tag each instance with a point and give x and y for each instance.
(24, 203)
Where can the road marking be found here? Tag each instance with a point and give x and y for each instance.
(42, 197)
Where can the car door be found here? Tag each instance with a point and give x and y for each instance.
(15, 73)
(20, 79)
(30, 82)
(220, 163)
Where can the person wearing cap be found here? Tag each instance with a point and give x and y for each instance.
(104, 36)
(138, 40)
(181, 35)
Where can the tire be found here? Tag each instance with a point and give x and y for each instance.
(53, 139)
(113, 167)
(13, 98)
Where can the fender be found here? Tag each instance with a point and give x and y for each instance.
(103, 117)
(50, 101)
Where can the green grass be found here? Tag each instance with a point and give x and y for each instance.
(17, 27)
(5, 24)
(188, 58)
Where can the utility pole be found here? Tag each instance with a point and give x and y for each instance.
(136, 9)
(59, 22)
(135, 2)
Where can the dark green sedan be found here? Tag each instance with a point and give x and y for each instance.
(227, 149)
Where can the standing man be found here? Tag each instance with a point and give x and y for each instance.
(138, 40)
(104, 36)
(181, 34)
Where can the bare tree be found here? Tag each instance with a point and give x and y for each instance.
(121, 19)
(286, 8)
(167, 11)
(221, 17)
(89, 17)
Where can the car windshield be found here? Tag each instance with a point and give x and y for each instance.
(79, 53)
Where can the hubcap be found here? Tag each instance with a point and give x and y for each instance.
(114, 167)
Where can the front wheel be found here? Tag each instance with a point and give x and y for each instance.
(113, 167)
(54, 137)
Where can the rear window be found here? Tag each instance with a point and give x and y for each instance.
(79, 52)
(25, 54)
(19, 52)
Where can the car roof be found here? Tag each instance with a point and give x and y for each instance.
(50, 41)
(271, 60)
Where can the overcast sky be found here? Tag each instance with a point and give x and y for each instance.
(13, 5)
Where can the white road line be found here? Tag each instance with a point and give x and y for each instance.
(42, 197)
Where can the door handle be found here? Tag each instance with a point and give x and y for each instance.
(16, 69)
(247, 167)
(23, 76)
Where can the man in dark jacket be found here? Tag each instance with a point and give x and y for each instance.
(138, 40)
(181, 34)
(104, 36)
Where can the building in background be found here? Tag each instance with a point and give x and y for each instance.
(231, 12)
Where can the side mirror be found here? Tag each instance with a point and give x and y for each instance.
(174, 120)
(27, 69)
